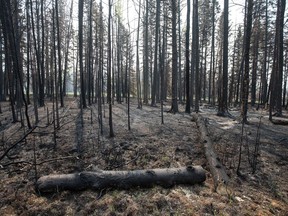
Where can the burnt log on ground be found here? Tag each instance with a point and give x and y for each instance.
(216, 168)
(279, 121)
(100, 179)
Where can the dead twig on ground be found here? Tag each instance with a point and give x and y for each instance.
(17, 142)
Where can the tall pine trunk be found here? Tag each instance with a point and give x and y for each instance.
(174, 107)
(245, 82)
(187, 54)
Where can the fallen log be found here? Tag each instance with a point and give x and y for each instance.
(100, 179)
(216, 168)
(279, 121)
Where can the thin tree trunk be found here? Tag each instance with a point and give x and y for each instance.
(60, 83)
(55, 88)
(90, 61)
(27, 53)
(180, 94)
(139, 99)
(76, 73)
(155, 73)
(109, 90)
(36, 47)
(222, 103)
(146, 56)
(187, 55)
(245, 85)
(264, 73)
(212, 64)
(42, 75)
(82, 83)
(68, 37)
(162, 67)
(196, 54)
(174, 107)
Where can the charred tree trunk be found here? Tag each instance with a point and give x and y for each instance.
(60, 83)
(139, 97)
(146, 57)
(82, 83)
(212, 57)
(222, 103)
(196, 53)
(216, 168)
(245, 85)
(187, 54)
(180, 94)
(68, 38)
(28, 54)
(174, 107)
(277, 71)
(100, 179)
(156, 47)
(10, 23)
(109, 86)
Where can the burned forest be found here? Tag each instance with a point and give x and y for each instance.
(143, 107)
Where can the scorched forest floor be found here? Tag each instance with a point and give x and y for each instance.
(149, 144)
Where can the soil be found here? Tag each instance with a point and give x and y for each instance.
(149, 144)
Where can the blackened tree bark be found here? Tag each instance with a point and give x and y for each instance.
(119, 68)
(155, 73)
(55, 83)
(75, 81)
(80, 37)
(162, 66)
(10, 23)
(256, 35)
(27, 53)
(233, 69)
(42, 75)
(109, 87)
(174, 107)
(1, 71)
(212, 57)
(139, 91)
(264, 82)
(90, 57)
(277, 70)
(285, 79)
(195, 53)
(8, 69)
(60, 83)
(38, 56)
(238, 66)
(100, 70)
(146, 56)
(245, 82)
(67, 45)
(100, 179)
(2, 74)
(255, 65)
(180, 86)
(187, 54)
(222, 103)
